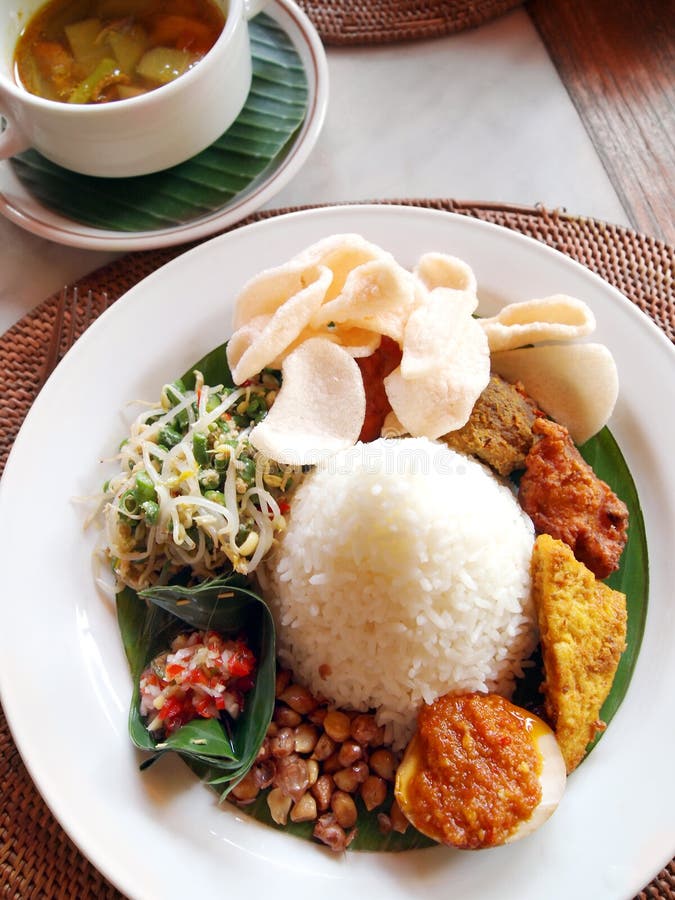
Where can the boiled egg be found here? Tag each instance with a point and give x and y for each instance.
(479, 772)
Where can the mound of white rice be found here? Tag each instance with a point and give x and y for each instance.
(403, 574)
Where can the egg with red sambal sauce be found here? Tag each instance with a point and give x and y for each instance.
(479, 772)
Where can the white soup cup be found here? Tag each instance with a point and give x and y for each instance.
(136, 136)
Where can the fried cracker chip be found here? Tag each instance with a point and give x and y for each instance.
(266, 292)
(442, 270)
(555, 318)
(576, 384)
(340, 253)
(443, 387)
(432, 329)
(356, 341)
(243, 337)
(279, 331)
(319, 409)
(377, 296)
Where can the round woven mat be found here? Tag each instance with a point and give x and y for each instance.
(37, 859)
(345, 22)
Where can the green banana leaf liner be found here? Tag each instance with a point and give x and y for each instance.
(225, 763)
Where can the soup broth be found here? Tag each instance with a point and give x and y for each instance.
(96, 51)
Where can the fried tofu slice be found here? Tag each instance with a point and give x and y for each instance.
(582, 623)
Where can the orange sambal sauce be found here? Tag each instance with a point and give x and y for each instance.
(477, 772)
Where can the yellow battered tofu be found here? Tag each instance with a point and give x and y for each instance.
(582, 623)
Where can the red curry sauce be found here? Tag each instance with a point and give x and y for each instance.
(374, 369)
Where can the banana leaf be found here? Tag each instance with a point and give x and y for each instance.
(149, 621)
(368, 836)
(602, 453)
(213, 366)
(632, 578)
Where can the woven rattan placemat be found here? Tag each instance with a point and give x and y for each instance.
(37, 859)
(345, 22)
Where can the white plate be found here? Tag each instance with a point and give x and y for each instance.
(21, 207)
(65, 685)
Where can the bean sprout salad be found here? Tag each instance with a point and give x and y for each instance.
(192, 491)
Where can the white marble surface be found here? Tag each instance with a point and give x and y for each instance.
(477, 116)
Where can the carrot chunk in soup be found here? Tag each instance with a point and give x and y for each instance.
(95, 51)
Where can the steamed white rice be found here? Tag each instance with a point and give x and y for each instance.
(403, 574)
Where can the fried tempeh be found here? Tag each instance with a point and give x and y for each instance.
(582, 623)
(499, 430)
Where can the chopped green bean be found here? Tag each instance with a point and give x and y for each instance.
(257, 408)
(215, 497)
(145, 488)
(200, 448)
(172, 395)
(242, 534)
(169, 437)
(247, 471)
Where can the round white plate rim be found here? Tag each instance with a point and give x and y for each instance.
(303, 225)
(19, 206)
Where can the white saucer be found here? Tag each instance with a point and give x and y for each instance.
(21, 207)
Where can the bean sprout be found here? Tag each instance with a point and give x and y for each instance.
(191, 488)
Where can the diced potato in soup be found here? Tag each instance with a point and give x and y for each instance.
(95, 51)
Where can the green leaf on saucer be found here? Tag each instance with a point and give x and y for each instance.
(263, 132)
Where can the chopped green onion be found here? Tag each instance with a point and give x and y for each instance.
(129, 503)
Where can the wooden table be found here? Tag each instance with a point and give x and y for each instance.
(617, 61)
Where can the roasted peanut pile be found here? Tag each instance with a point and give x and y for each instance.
(315, 761)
